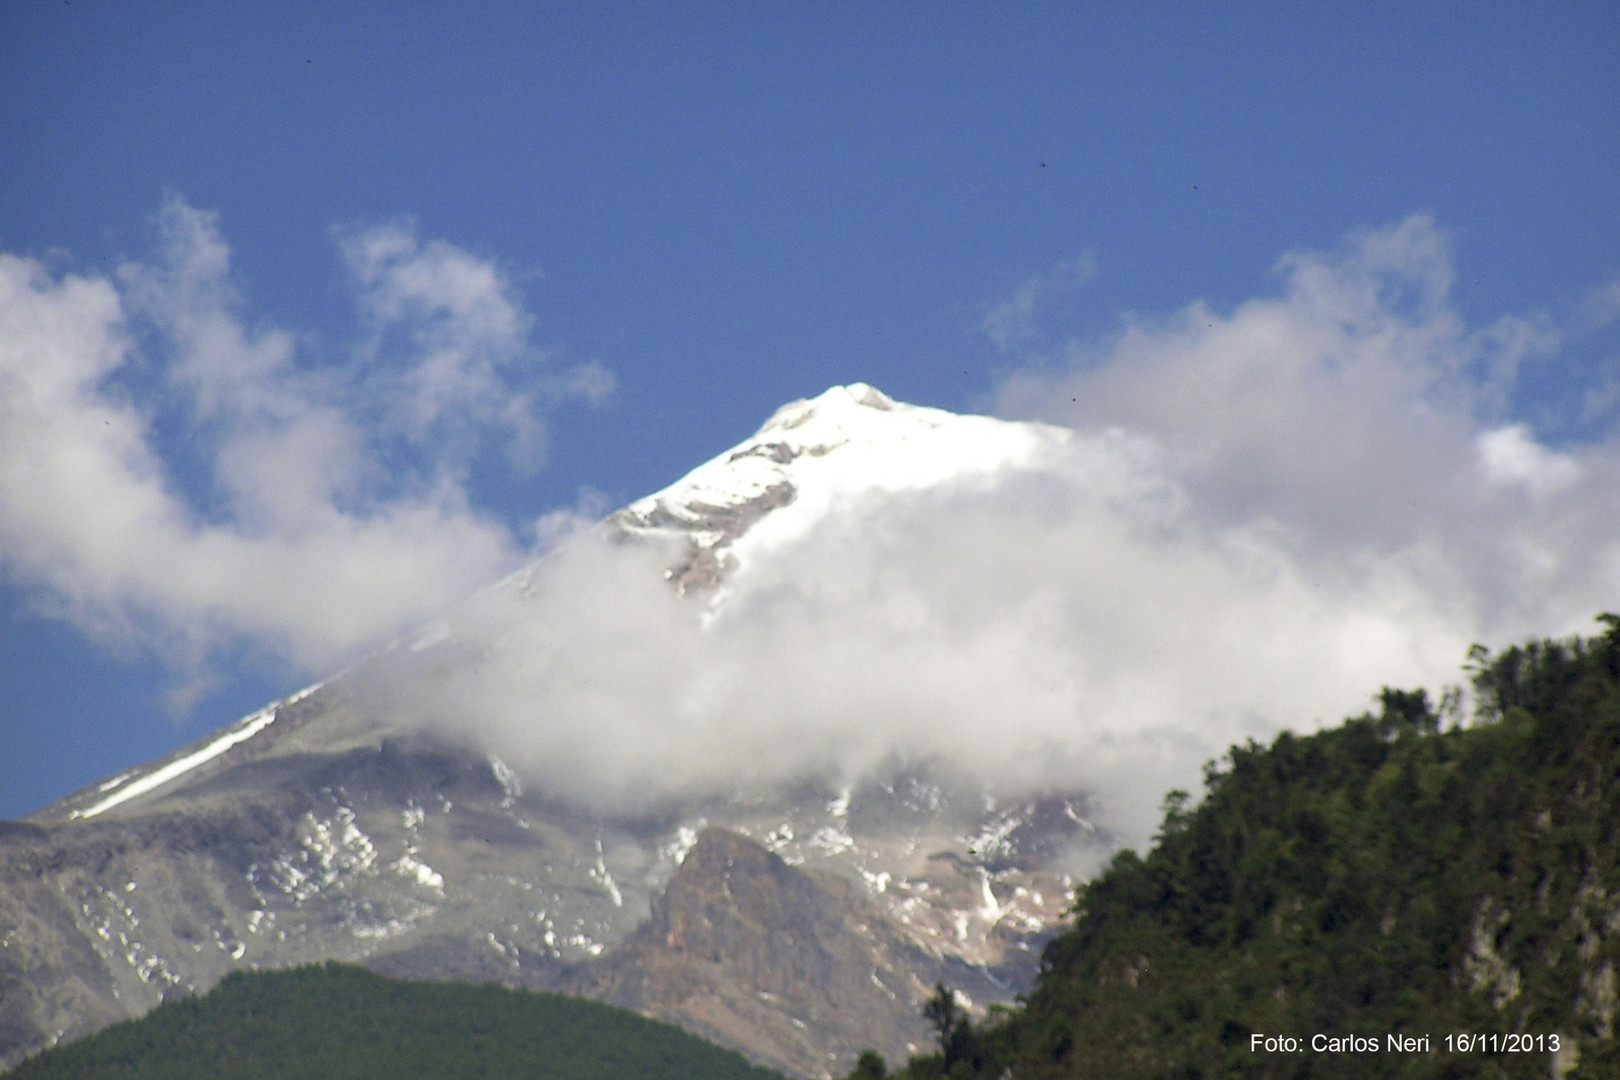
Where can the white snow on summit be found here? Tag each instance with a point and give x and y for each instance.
(814, 457)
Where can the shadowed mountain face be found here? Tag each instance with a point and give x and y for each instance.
(799, 924)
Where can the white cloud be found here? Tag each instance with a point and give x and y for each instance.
(1356, 415)
(308, 535)
(468, 336)
(457, 317)
(1263, 516)
(1509, 456)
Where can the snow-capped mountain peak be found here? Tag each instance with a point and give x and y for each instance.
(336, 824)
(814, 456)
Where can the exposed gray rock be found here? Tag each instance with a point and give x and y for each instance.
(799, 927)
(797, 966)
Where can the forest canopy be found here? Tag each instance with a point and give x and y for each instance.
(1453, 884)
(339, 1022)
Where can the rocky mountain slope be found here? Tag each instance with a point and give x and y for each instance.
(799, 924)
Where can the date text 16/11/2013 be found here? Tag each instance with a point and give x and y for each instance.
(1465, 1043)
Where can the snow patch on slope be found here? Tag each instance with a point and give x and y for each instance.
(239, 732)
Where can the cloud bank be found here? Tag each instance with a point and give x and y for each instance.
(179, 477)
(1357, 421)
(1261, 516)
(1256, 518)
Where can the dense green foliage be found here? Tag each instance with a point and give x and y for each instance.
(1393, 875)
(337, 1022)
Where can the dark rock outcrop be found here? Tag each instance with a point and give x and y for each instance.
(797, 965)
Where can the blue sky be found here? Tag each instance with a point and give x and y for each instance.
(650, 225)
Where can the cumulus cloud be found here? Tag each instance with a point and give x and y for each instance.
(1358, 418)
(176, 473)
(462, 322)
(1258, 518)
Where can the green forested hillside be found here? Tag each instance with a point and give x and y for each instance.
(336, 1022)
(1395, 875)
